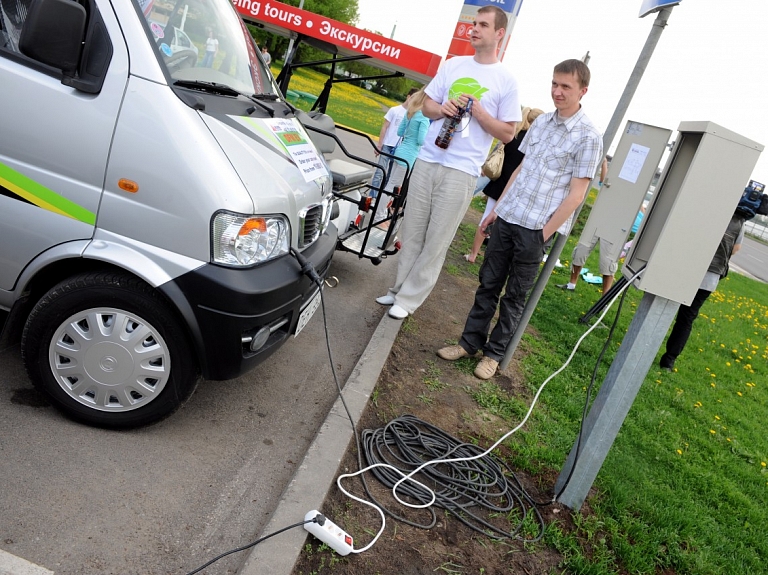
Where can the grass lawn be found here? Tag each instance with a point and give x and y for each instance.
(685, 486)
(348, 105)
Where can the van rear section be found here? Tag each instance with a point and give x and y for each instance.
(154, 190)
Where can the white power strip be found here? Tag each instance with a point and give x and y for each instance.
(329, 533)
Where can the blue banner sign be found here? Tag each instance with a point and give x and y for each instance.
(650, 6)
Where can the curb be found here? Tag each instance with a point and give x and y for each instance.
(315, 476)
(13, 565)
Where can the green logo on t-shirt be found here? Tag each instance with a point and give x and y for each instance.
(466, 86)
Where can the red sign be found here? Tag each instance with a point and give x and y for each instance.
(348, 39)
(460, 45)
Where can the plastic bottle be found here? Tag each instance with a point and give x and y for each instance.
(449, 126)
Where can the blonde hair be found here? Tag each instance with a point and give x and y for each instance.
(415, 102)
(529, 115)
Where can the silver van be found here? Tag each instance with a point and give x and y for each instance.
(156, 194)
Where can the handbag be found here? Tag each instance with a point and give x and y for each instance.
(494, 162)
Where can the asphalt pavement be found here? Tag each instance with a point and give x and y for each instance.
(752, 259)
(169, 497)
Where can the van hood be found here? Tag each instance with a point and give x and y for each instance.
(275, 159)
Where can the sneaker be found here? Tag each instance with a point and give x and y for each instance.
(452, 352)
(487, 367)
(385, 300)
(396, 312)
(567, 287)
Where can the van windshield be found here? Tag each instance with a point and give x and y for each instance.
(206, 41)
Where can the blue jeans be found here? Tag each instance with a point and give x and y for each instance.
(379, 179)
(512, 257)
(482, 181)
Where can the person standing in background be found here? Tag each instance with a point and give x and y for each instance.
(388, 139)
(581, 252)
(718, 268)
(266, 55)
(412, 132)
(211, 47)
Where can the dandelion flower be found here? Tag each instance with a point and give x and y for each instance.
(762, 463)
(717, 417)
(680, 452)
(739, 394)
(712, 431)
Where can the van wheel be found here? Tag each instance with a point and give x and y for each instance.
(107, 351)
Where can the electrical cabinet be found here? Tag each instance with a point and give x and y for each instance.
(629, 176)
(695, 198)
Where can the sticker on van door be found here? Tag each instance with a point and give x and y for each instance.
(17, 186)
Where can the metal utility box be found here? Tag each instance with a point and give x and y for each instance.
(629, 176)
(694, 201)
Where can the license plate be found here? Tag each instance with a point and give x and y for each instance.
(308, 312)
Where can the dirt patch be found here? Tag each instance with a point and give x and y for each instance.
(415, 381)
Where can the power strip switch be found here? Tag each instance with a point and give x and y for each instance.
(328, 532)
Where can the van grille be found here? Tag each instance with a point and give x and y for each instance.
(311, 225)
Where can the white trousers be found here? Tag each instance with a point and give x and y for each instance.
(437, 199)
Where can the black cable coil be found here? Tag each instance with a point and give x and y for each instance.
(473, 491)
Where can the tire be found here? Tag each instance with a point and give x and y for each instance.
(107, 351)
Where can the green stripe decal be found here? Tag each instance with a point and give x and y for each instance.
(43, 197)
(261, 129)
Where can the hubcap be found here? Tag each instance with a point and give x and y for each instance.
(110, 360)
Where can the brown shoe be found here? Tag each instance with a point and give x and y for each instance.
(487, 367)
(452, 352)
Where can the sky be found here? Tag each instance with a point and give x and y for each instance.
(710, 64)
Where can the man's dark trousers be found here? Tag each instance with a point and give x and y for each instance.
(513, 256)
(681, 331)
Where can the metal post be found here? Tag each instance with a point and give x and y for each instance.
(610, 133)
(288, 53)
(647, 330)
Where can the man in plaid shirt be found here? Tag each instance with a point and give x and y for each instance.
(563, 151)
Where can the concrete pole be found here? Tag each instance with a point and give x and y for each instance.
(610, 133)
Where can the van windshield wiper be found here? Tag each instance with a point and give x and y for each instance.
(211, 87)
(224, 90)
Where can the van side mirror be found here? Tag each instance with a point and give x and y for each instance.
(53, 33)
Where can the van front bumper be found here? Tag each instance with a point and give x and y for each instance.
(225, 307)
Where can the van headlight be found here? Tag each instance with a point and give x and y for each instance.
(240, 240)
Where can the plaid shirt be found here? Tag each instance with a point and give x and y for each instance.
(556, 150)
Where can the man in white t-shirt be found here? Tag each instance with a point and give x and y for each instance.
(388, 141)
(443, 180)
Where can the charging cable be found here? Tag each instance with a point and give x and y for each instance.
(445, 460)
(339, 540)
(317, 519)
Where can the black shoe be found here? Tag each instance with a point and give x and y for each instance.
(667, 363)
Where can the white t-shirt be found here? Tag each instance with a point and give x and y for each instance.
(496, 89)
(211, 45)
(394, 115)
